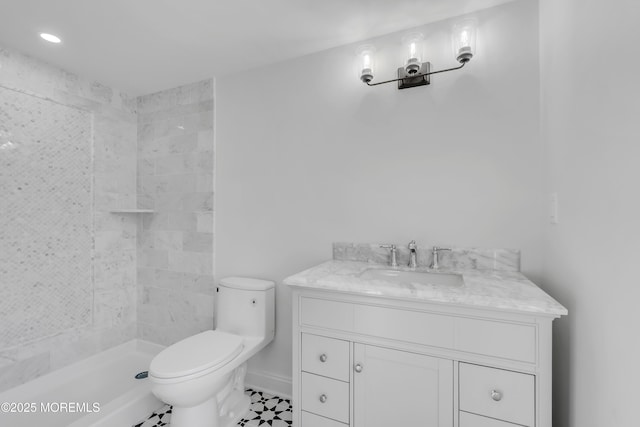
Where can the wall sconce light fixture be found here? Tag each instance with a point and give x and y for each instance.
(415, 72)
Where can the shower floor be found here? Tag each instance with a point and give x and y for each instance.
(265, 410)
(66, 397)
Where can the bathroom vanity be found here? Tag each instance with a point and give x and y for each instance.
(373, 348)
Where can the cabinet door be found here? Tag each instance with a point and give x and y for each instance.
(397, 388)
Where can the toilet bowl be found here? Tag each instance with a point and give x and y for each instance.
(202, 376)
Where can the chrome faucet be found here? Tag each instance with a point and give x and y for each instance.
(393, 252)
(434, 263)
(413, 258)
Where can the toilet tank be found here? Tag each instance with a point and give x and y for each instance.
(246, 306)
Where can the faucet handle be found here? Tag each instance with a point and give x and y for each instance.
(393, 261)
(436, 249)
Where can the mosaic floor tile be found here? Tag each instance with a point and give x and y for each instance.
(265, 410)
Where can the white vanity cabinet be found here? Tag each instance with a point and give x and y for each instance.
(367, 361)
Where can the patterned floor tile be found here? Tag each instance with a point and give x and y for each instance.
(265, 410)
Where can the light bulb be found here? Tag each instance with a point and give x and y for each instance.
(366, 62)
(464, 40)
(413, 59)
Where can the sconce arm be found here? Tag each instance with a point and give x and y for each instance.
(418, 75)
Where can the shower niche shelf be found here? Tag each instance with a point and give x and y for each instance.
(131, 211)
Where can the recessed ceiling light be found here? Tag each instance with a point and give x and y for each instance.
(50, 38)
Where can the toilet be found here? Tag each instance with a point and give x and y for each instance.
(202, 376)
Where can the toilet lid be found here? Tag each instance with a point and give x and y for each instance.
(197, 353)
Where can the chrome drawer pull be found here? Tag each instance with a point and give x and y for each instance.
(496, 395)
(323, 398)
(358, 368)
(323, 357)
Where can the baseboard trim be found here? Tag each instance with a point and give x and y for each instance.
(269, 383)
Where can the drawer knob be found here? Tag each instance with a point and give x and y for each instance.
(323, 357)
(496, 395)
(323, 398)
(358, 368)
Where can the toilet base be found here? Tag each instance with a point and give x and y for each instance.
(207, 415)
(224, 409)
(203, 415)
(236, 412)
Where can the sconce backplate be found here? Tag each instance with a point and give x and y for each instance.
(411, 80)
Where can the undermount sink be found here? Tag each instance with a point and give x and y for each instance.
(423, 278)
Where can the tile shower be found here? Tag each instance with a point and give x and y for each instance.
(78, 275)
(67, 265)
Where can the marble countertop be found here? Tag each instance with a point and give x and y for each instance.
(490, 289)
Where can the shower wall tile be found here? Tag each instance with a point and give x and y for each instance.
(188, 282)
(24, 369)
(145, 277)
(153, 258)
(197, 202)
(169, 240)
(31, 75)
(106, 221)
(45, 217)
(204, 222)
(157, 221)
(115, 274)
(204, 140)
(197, 242)
(184, 221)
(168, 164)
(175, 245)
(168, 202)
(198, 283)
(169, 333)
(107, 268)
(191, 262)
(114, 307)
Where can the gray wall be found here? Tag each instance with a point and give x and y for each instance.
(590, 110)
(308, 155)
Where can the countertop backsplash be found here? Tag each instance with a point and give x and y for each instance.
(456, 259)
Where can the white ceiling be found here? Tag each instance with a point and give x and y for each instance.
(143, 46)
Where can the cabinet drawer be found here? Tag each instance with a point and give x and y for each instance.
(325, 356)
(496, 393)
(472, 420)
(324, 396)
(311, 420)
